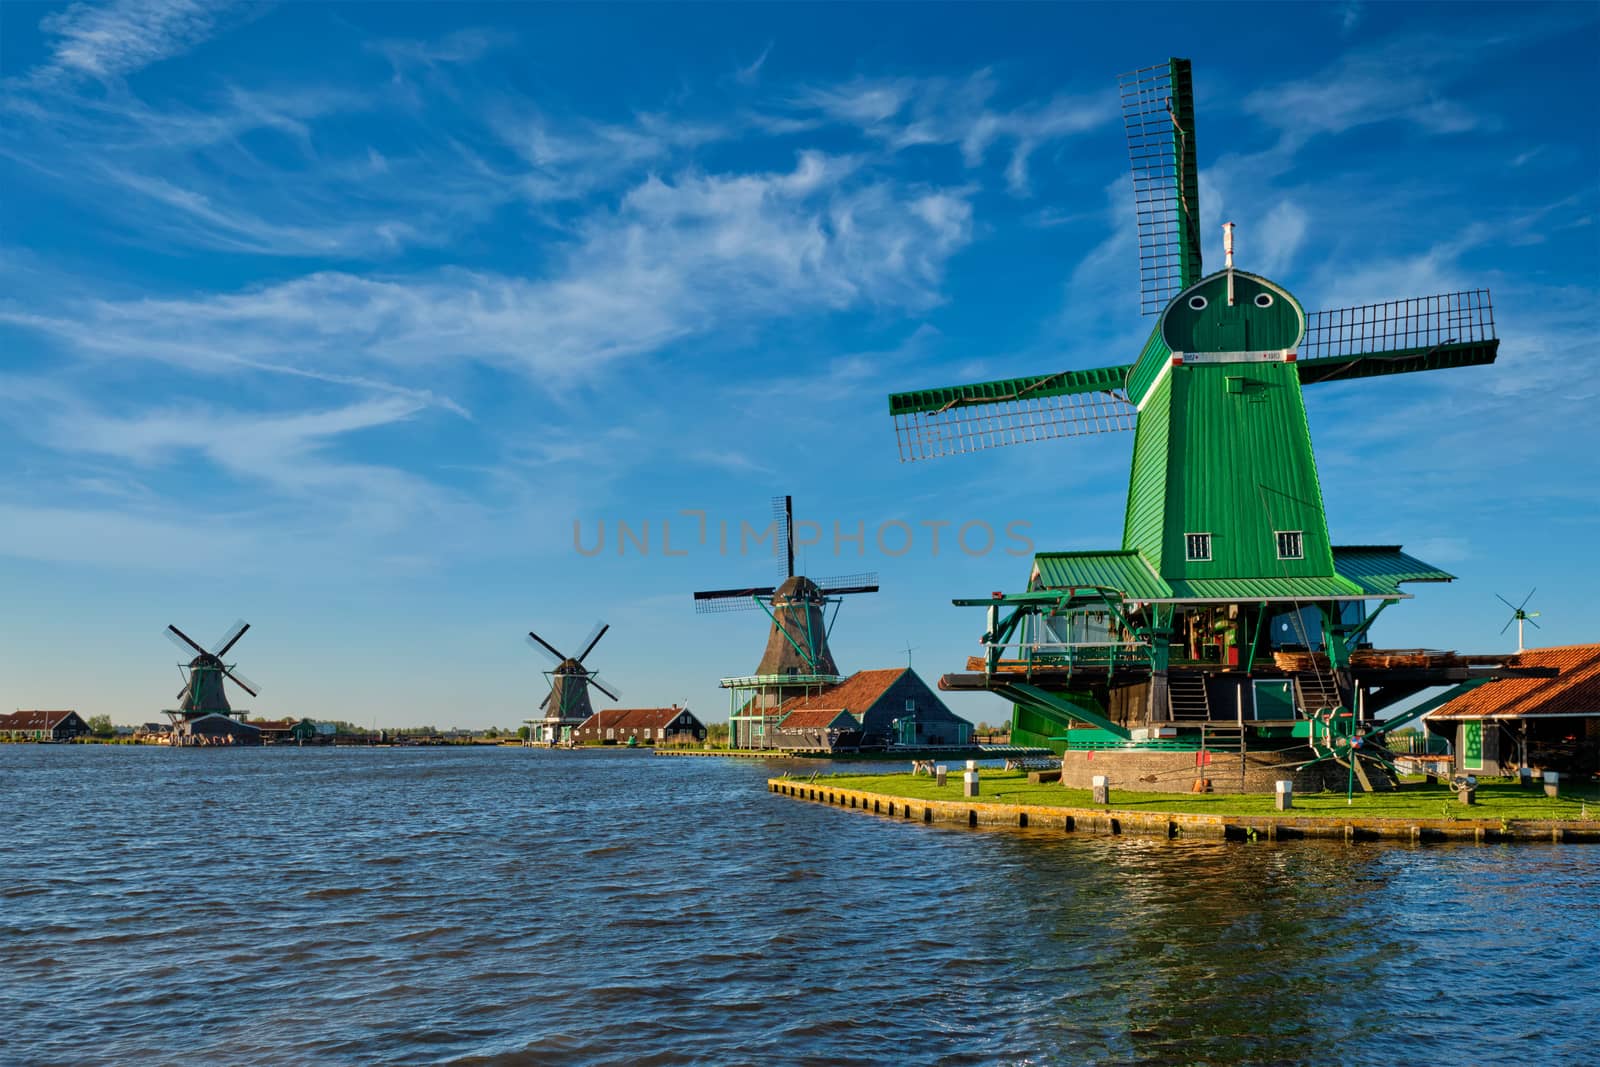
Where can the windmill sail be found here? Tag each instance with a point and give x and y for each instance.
(1012, 411)
(1158, 114)
(783, 523)
(716, 601)
(841, 584)
(1397, 336)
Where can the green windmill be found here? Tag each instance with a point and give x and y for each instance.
(203, 693)
(1227, 615)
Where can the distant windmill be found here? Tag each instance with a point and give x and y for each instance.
(797, 660)
(798, 641)
(567, 705)
(203, 692)
(1519, 616)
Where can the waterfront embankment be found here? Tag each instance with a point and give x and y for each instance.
(1418, 812)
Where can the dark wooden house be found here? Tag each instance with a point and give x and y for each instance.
(42, 726)
(1544, 723)
(643, 726)
(891, 707)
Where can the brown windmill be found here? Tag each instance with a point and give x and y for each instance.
(566, 706)
(797, 660)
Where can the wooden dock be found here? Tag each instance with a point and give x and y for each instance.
(1162, 824)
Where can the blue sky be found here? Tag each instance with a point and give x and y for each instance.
(339, 317)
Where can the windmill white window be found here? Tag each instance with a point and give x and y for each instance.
(1290, 545)
(1197, 547)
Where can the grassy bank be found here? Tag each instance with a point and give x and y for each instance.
(1496, 799)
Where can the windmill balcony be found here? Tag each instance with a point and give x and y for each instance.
(1026, 655)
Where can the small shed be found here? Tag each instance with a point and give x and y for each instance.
(1545, 723)
(816, 729)
(275, 731)
(648, 726)
(41, 725)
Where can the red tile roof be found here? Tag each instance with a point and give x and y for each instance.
(632, 718)
(855, 694)
(32, 720)
(817, 719)
(1575, 691)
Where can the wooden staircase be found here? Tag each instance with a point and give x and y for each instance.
(1186, 697)
(1316, 690)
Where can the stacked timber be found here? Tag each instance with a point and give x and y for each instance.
(1301, 661)
(1413, 658)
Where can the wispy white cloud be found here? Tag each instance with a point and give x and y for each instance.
(458, 47)
(114, 39)
(750, 73)
(1397, 80)
(906, 112)
(678, 257)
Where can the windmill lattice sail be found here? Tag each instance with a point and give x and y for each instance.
(1158, 115)
(1400, 325)
(971, 426)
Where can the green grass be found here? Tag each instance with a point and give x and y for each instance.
(1496, 800)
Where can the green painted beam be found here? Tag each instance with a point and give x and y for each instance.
(1186, 166)
(1411, 715)
(1061, 383)
(1054, 703)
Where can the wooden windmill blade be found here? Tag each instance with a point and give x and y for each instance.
(599, 631)
(241, 681)
(1398, 336)
(546, 650)
(230, 638)
(845, 584)
(970, 418)
(184, 642)
(783, 522)
(715, 601)
(1158, 115)
(595, 681)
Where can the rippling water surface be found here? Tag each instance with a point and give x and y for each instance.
(518, 906)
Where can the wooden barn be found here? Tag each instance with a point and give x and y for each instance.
(215, 729)
(644, 726)
(42, 726)
(891, 707)
(1544, 723)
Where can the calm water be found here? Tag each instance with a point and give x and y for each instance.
(510, 906)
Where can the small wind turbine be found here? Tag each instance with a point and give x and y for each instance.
(1519, 616)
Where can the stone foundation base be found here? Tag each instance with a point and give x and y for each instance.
(1176, 772)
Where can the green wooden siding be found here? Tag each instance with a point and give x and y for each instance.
(1123, 571)
(1233, 460)
(1147, 482)
(1379, 569)
(1319, 588)
(1241, 327)
(1147, 368)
